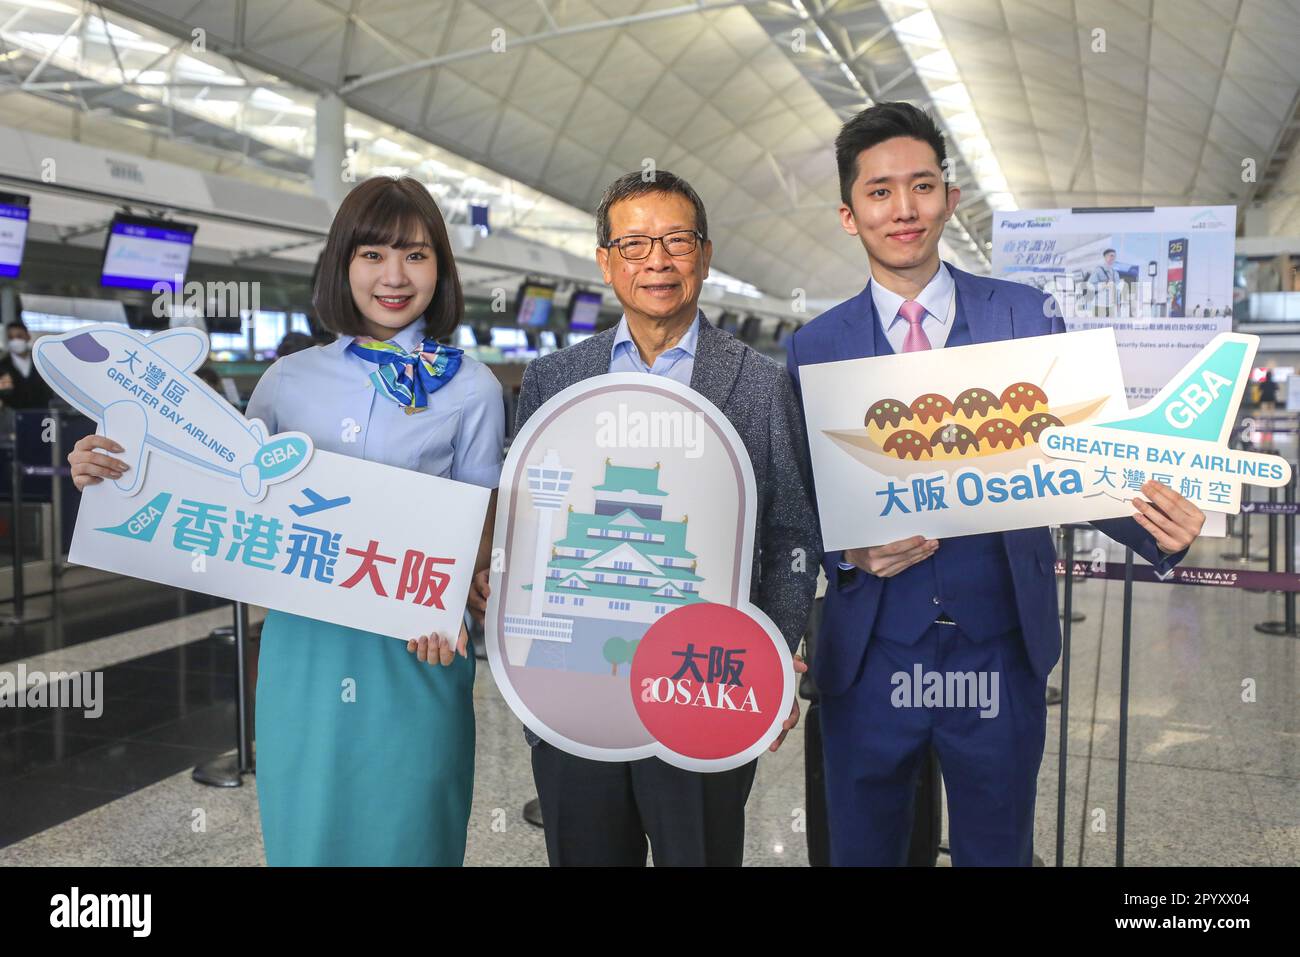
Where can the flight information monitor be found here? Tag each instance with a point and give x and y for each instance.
(140, 253)
(15, 211)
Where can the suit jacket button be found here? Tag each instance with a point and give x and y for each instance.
(935, 600)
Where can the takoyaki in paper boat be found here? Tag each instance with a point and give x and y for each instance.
(994, 439)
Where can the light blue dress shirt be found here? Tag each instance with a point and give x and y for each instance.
(326, 392)
(939, 297)
(676, 363)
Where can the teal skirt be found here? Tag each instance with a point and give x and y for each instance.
(365, 755)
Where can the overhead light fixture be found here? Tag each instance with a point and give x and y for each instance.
(918, 31)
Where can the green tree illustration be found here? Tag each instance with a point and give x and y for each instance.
(616, 652)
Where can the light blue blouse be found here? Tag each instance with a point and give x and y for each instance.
(326, 392)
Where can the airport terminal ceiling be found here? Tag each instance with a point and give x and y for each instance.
(1162, 107)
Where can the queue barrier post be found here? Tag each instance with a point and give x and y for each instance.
(1244, 557)
(1067, 549)
(1286, 628)
(1063, 750)
(58, 469)
(16, 525)
(1125, 648)
(228, 771)
(1272, 532)
(1271, 518)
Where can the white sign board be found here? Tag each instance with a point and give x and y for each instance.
(945, 442)
(619, 625)
(212, 504)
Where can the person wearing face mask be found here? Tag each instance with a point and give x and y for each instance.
(365, 756)
(21, 386)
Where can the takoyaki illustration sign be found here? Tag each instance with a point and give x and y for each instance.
(948, 442)
(619, 625)
(1180, 437)
(212, 503)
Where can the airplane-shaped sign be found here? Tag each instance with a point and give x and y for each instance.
(143, 393)
(1180, 437)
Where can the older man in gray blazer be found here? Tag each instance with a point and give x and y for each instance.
(653, 249)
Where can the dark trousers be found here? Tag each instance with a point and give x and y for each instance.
(602, 813)
(876, 746)
(927, 819)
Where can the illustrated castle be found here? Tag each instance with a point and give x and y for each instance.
(613, 572)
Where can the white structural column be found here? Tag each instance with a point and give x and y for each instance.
(327, 167)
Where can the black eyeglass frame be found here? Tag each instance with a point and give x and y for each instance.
(614, 244)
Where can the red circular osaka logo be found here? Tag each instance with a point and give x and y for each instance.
(707, 681)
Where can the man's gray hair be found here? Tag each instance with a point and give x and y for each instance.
(637, 184)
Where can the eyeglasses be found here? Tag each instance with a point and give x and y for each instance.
(683, 242)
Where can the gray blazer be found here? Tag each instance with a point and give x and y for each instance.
(755, 394)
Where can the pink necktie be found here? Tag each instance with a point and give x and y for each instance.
(916, 340)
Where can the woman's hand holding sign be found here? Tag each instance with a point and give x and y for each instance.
(1172, 520)
(437, 649)
(90, 467)
(884, 561)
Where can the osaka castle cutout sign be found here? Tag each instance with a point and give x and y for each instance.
(619, 625)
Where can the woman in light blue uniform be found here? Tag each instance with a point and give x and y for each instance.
(365, 756)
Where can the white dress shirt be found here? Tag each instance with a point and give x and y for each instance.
(939, 297)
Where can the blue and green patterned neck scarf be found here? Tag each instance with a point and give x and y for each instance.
(408, 377)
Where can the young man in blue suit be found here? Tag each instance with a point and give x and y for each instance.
(982, 604)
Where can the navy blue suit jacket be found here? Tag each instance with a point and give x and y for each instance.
(994, 310)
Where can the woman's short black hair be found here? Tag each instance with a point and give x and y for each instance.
(879, 123)
(386, 211)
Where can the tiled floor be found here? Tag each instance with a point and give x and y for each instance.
(90, 612)
(1211, 778)
(168, 695)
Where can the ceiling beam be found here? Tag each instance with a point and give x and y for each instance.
(700, 6)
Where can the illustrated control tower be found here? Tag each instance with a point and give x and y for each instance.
(548, 484)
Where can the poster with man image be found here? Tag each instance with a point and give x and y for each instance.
(1161, 278)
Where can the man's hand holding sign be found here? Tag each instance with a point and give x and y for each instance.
(1172, 520)
(885, 561)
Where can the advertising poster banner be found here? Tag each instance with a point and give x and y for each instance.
(1161, 278)
(213, 504)
(1017, 434)
(619, 625)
